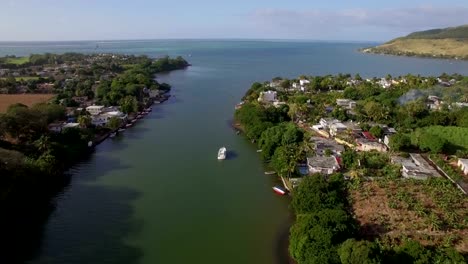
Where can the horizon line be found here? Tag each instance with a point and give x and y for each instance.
(194, 39)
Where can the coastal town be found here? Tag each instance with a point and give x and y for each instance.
(57, 107)
(399, 144)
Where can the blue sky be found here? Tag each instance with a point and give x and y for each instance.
(271, 19)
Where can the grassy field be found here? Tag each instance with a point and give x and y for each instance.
(431, 212)
(457, 136)
(26, 99)
(449, 48)
(18, 60)
(25, 78)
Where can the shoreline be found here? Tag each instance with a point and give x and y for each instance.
(282, 244)
(420, 56)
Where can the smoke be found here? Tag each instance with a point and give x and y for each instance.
(415, 94)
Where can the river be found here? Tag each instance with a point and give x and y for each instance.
(157, 193)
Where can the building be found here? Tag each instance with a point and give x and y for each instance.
(337, 128)
(71, 125)
(321, 145)
(415, 167)
(324, 165)
(102, 119)
(367, 145)
(95, 109)
(463, 164)
(384, 83)
(326, 122)
(267, 97)
(346, 103)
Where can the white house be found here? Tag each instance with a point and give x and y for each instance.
(267, 97)
(304, 82)
(103, 119)
(94, 109)
(463, 164)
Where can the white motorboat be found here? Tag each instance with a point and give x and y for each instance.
(222, 153)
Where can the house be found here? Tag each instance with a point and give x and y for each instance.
(102, 119)
(384, 83)
(353, 82)
(321, 145)
(71, 125)
(55, 127)
(324, 165)
(320, 130)
(94, 109)
(346, 103)
(415, 167)
(337, 128)
(275, 84)
(463, 164)
(267, 97)
(326, 122)
(367, 145)
(304, 82)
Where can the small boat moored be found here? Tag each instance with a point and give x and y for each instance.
(222, 153)
(128, 125)
(121, 130)
(270, 172)
(112, 135)
(279, 190)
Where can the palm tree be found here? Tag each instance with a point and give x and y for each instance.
(84, 121)
(43, 144)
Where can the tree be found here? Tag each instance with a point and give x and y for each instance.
(399, 142)
(358, 252)
(376, 131)
(284, 160)
(129, 104)
(340, 114)
(315, 193)
(433, 143)
(114, 123)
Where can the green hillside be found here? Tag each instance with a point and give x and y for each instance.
(451, 43)
(460, 32)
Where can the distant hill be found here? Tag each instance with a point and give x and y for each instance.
(439, 43)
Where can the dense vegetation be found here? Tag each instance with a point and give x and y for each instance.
(325, 231)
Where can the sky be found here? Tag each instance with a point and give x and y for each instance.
(353, 20)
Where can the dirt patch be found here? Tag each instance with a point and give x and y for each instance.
(26, 99)
(431, 214)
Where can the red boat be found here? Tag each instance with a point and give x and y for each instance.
(279, 190)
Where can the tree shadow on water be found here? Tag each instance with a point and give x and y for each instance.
(85, 224)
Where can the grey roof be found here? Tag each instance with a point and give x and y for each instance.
(322, 162)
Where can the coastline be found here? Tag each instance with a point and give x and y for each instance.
(412, 55)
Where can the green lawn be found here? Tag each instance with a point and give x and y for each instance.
(18, 60)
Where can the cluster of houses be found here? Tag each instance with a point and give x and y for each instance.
(100, 116)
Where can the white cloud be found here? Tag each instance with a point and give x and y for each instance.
(333, 24)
